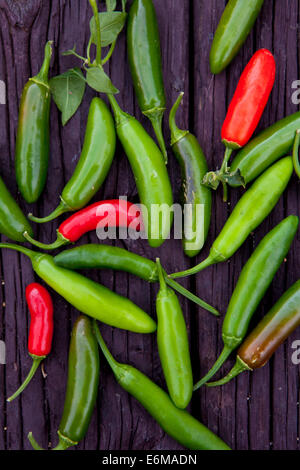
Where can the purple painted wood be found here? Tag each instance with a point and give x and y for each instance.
(255, 411)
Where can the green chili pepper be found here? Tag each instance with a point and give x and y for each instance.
(262, 151)
(179, 424)
(253, 207)
(270, 333)
(173, 344)
(151, 176)
(93, 256)
(195, 195)
(88, 296)
(94, 163)
(13, 222)
(32, 144)
(254, 280)
(144, 57)
(296, 153)
(234, 27)
(82, 386)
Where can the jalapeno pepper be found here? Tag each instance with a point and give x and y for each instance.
(244, 113)
(179, 424)
(296, 153)
(111, 213)
(195, 195)
(88, 296)
(94, 163)
(235, 25)
(41, 329)
(173, 344)
(265, 149)
(254, 280)
(269, 334)
(253, 207)
(82, 386)
(144, 57)
(13, 223)
(111, 257)
(32, 144)
(151, 176)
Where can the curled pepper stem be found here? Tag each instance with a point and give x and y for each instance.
(176, 133)
(107, 354)
(219, 362)
(61, 241)
(61, 209)
(239, 367)
(36, 362)
(196, 269)
(25, 251)
(296, 153)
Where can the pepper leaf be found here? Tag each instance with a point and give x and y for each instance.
(111, 5)
(111, 24)
(99, 81)
(67, 90)
(212, 179)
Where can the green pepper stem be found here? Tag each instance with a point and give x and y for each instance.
(193, 298)
(240, 366)
(161, 277)
(93, 4)
(219, 362)
(156, 116)
(196, 269)
(296, 153)
(119, 114)
(64, 442)
(110, 53)
(61, 209)
(176, 133)
(115, 366)
(33, 442)
(36, 362)
(61, 241)
(25, 251)
(42, 76)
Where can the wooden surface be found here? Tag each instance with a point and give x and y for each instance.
(255, 411)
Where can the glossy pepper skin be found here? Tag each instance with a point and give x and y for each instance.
(254, 280)
(93, 256)
(173, 345)
(265, 149)
(82, 386)
(150, 173)
(110, 213)
(270, 333)
(296, 161)
(13, 223)
(244, 113)
(234, 27)
(193, 166)
(178, 424)
(94, 163)
(32, 143)
(252, 208)
(144, 55)
(87, 296)
(41, 329)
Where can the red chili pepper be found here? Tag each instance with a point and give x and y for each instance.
(111, 213)
(41, 329)
(244, 113)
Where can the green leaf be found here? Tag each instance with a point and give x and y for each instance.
(111, 5)
(212, 179)
(99, 81)
(67, 91)
(111, 24)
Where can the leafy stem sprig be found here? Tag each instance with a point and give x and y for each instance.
(68, 88)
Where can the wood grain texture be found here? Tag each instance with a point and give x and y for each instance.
(255, 411)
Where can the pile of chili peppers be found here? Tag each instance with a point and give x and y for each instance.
(264, 161)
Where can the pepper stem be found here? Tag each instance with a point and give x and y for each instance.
(240, 366)
(219, 362)
(93, 4)
(107, 354)
(119, 114)
(156, 116)
(61, 209)
(64, 442)
(176, 133)
(296, 153)
(161, 277)
(25, 251)
(42, 76)
(61, 241)
(33, 442)
(36, 362)
(196, 269)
